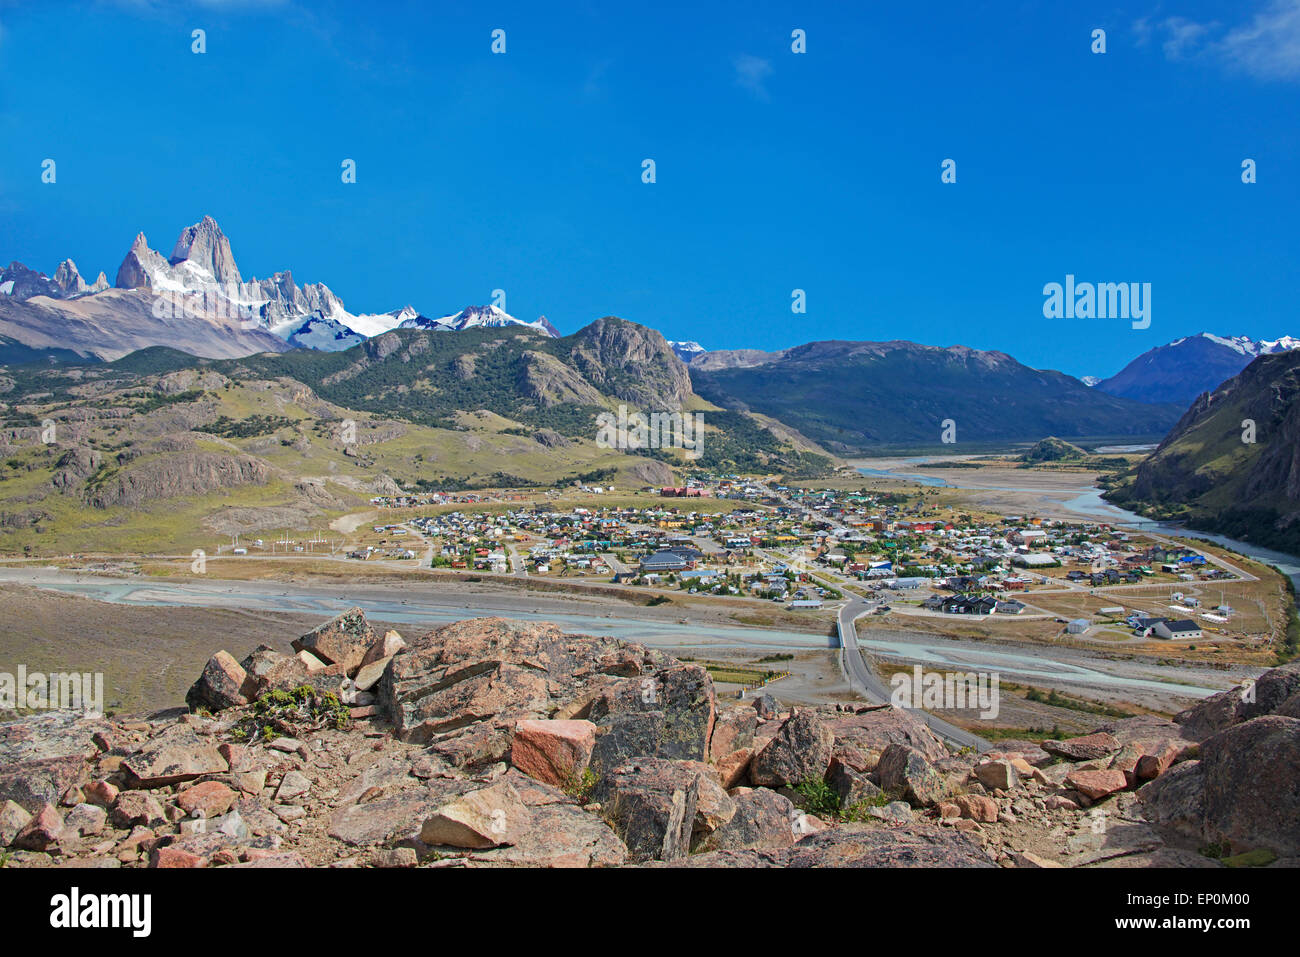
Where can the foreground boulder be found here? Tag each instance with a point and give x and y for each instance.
(1086, 748)
(905, 771)
(556, 752)
(497, 671)
(179, 754)
(44, 755)
(43, 830)
(341, 641)
(13, 818)
(488, 817)
(682, 694)
(872, 729)
(1275, 691)
(732, 731)
(1241, 792)
(851, 787)
(762, 819)
(1096, 785)
(223, 684)
(651, 804)
(801, 751)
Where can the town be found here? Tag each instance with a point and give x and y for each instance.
(807, 548)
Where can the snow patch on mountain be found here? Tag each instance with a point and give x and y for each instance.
(324, 334)
(378, 323)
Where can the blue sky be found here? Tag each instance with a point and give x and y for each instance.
(775, 170)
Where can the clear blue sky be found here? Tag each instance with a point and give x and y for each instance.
(775, 170)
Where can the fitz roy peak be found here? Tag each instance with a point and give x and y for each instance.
(203, 278)
(196, 300)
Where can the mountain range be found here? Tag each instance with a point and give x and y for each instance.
(848, 396)
(852, 396)
(1231, 464)
(1181, 370)
(197, 301)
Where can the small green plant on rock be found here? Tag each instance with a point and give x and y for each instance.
(579, 786)
(817, 797)
(291, 713)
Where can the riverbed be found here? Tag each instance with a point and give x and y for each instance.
(427, 607)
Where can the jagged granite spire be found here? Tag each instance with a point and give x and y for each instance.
(206, 246)
(68, 279)
(138, 267)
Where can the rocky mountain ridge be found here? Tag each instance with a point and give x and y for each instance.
(1231, 464)
(854, 396)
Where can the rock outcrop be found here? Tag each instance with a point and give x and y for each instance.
(491, 742)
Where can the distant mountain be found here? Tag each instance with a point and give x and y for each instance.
(19, 282)
(196, 300)
(379, 323)
(531, 376)
(1206, 475)
(733, 359)
(327, 335)
(476, 317)
(115, 322)
(853, 396)
(688, 350)
(201, 279)
(521, 373)
(1181, 370)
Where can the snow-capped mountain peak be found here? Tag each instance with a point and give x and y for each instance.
(1285, 344)
(200, 280)
(687, 350)
(476, 317)
(1181, 370)
(1244, 345)
(378, 323)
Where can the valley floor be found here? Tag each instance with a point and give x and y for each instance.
(149, 636)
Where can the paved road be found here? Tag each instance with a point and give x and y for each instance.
(862, 677)
(616, 566)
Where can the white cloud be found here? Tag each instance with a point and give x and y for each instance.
(752, 73)
(1183, 37)
(1267, 47)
